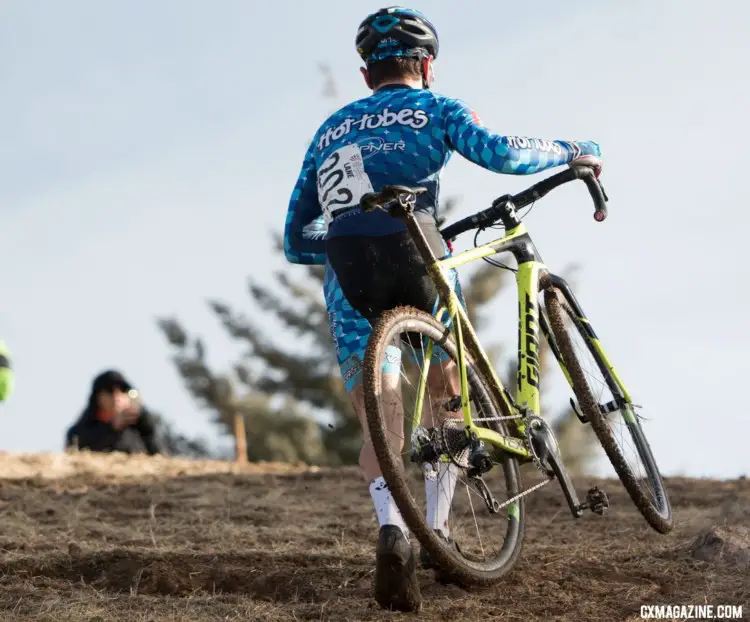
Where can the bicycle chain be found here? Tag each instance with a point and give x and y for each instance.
(497, 418)
(528, 414)
(534, 458)
(524, 493)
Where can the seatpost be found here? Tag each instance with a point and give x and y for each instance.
(425, 251)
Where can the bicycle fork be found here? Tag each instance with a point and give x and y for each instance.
(543, 442)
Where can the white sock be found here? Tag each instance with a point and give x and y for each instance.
(439, 493)
(385, 506)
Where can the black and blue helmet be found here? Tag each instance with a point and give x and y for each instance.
(396, 31)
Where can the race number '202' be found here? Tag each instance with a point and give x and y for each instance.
(342, 180)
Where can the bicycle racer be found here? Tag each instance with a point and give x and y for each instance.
(403, 133)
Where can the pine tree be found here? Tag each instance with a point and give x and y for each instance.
(276, 430)
(175, 443)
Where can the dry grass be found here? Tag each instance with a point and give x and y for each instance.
(105, 538)
(111, 467)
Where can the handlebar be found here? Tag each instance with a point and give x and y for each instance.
(398, 200)
(491, 215)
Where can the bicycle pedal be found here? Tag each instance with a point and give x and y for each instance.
(574, 405)
(597, 501)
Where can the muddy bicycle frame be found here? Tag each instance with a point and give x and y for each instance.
(531, 276)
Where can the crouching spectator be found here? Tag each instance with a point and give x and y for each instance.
(114, 419)
(6, 373)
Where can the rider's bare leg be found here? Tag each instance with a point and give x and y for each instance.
(393, 411)
(443, 383)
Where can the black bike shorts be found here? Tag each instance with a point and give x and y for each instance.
(367, 275)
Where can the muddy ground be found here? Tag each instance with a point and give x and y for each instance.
(110, 538)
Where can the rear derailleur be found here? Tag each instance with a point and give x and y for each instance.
(479, 464)
(465, 451)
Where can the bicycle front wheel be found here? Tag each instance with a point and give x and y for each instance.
(613, 419)
(484, 540)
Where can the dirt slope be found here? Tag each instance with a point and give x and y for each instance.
(110, 538)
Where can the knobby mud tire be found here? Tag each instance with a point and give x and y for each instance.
(661, 523)
(391, 464)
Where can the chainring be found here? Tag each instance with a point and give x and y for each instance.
(531, 420)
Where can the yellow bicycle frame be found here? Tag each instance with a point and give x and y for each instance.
(530, 275)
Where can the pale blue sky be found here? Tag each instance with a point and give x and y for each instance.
(148, 148)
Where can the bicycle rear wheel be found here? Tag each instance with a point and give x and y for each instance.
(591, 376)
(469, 563)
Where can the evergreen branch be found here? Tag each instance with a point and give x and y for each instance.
(301, 322)
(240, 328)
(316, 273)
(484, 284)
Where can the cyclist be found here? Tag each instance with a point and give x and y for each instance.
(403, 133)
(6, 373)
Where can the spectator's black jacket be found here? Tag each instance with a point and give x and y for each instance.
(98, 435)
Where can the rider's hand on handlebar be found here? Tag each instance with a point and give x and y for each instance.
(588, 154)
(589, 161)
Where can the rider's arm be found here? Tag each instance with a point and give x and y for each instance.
(304, 231)
(515, 155)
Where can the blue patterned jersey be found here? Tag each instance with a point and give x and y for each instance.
(397, 135)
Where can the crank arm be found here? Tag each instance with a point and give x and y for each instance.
(596, 499)
(563, 478)
(548, 454)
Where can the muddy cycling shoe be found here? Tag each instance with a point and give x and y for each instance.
(424, 557)
(396, 585)
(427, 563)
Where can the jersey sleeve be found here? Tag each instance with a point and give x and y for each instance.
(305, 229)
(514, 155)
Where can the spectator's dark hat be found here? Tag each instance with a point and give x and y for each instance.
(110, 380)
